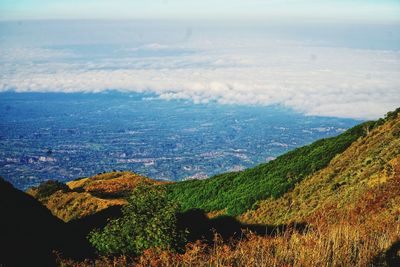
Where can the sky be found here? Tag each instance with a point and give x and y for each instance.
(328, 58)
(367, 10)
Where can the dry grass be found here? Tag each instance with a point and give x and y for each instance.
(341, 245)
(73, 205)
(93, 194)
(110, 184)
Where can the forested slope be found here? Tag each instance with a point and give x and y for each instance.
(238, 191)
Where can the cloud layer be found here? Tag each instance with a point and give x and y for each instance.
(313, 79)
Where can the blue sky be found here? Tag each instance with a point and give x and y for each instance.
(365, 10)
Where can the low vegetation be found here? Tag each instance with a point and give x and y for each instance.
(148, 221)
(117, 184)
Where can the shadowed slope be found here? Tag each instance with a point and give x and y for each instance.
(201, 227)
(28, 231)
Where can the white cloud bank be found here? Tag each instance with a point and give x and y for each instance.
(315, 80)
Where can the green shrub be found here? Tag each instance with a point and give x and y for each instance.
(48, 188)
(391, 115)
(148, 221)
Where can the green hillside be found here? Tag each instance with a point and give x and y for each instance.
(238, 191)
(358, 186)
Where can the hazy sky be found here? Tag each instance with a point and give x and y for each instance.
(366, 10)
(328, 57)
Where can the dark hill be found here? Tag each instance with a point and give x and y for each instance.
(28, 230)
(30, 234)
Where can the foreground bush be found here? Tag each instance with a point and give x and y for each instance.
(148, 221)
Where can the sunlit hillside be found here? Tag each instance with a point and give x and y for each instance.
(360, 184)
(87, 196)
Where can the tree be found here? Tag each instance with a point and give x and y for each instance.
(148, 221)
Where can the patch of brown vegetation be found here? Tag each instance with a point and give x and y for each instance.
(111, 185)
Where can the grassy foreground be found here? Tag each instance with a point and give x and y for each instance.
(342, 245)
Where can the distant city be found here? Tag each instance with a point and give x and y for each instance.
(67, 136)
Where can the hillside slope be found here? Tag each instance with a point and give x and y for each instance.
(27, 229)
(30, 235)
(360, 184)
(234, 193)
(229, 193)
(351, 208)
(344, 214)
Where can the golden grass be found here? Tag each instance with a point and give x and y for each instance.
(111, 183)
(341, 245)
(93, 194)
(73, 205)
(216, 213)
